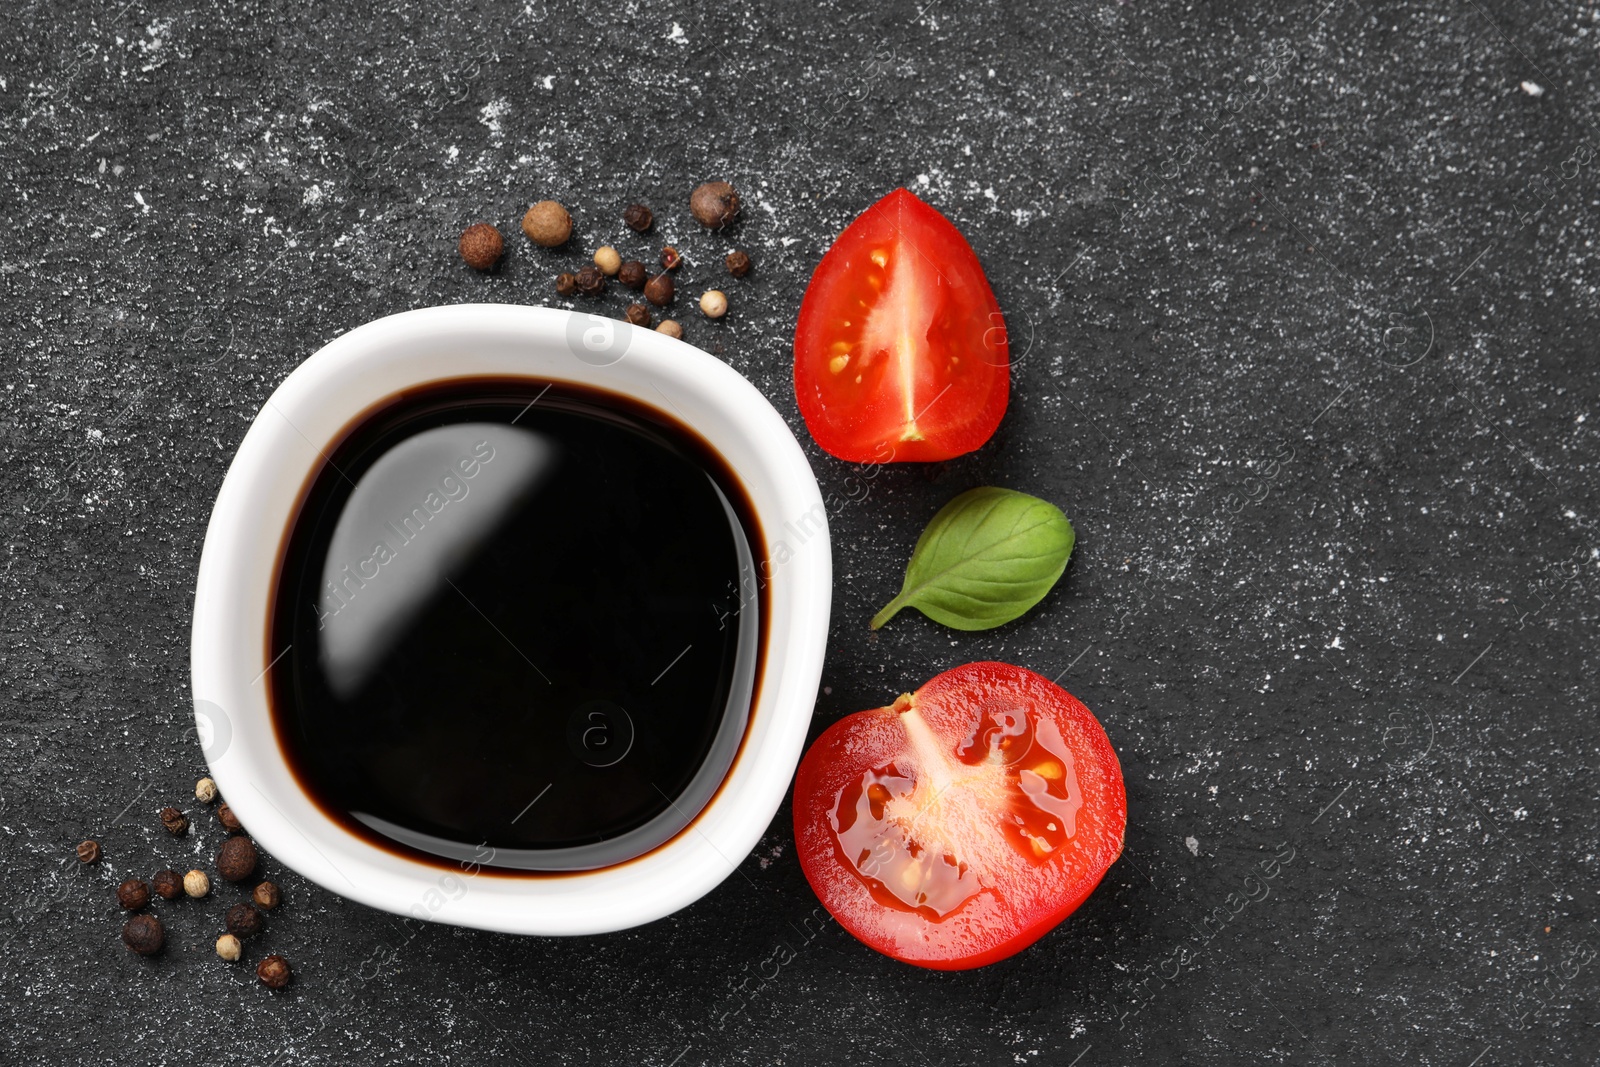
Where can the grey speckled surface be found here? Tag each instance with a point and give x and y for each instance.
(1311, 299)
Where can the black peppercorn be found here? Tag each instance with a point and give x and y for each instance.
(168, 885)
(176, 822)
(738, 263)
(89, 852)
(228, 819)
(133, 894)
(243, 920)
(659, 290)
(637, 314)
(632, 274)
(266, 896)
(144, 934)
(566, 283)
(638, 217)
(273, 972)
(236, 859)
(670, 258)
(591, 282)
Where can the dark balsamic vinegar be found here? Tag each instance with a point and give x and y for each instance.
(503, 614)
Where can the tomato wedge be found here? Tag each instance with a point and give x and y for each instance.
(901, 352)
(961, 823)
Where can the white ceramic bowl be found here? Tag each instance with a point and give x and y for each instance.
(285, 444)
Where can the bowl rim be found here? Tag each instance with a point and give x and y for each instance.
(287, 443)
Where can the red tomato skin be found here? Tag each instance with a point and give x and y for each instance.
(846, 748)
(956, 406)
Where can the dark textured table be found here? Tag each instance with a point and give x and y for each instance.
(1302, 299)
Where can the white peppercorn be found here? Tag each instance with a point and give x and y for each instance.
(714, 302)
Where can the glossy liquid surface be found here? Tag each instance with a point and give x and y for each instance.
(504, 627)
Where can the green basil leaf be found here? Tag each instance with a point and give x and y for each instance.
(987, 557)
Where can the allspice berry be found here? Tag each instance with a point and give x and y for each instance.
(638, 217)
(176, 822)
(608, 259)
(228, 819)
(658, 290)
(273, 972)
(637, 314)
(738, 263)
(205, 790)
(481, 246)
(133, 894)
(144, 934)
(632, 274)
(236, 859)
(547, 224)
(266, 895)
(168, 885)
(88, 852)
(197, 884)
(591, 282)
(229, 948)
(671, 327)
(566, 283)
(714, 204)
(243, 920)
(714, 302)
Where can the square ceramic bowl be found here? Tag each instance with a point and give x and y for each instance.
(287, 444)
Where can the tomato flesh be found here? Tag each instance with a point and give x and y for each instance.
(964, 821)
(900, 352)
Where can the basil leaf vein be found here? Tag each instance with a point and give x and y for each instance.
(986, 558)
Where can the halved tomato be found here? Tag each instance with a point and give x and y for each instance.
(961, 823)
(900, 352)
